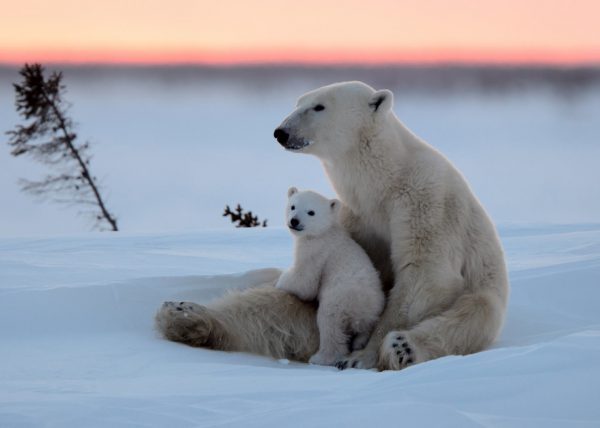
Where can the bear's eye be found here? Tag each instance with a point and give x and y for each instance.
(311, 213)
(293, 207)
(319, 107)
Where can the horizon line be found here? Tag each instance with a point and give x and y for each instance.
(299, 57)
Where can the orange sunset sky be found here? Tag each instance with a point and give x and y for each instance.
(367, 31)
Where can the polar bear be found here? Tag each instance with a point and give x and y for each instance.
(333, 268)
(437, 251)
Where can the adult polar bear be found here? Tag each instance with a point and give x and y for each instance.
(438, 252)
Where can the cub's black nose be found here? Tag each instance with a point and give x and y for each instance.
(294, 222)
(281, 136)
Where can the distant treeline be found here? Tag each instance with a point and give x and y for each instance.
(403, 78)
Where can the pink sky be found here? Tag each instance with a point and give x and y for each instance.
(183, 31)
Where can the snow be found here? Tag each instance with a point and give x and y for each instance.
(79, 349)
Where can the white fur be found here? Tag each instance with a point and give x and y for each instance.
(331, 267)
(435, 247)
(448, 278)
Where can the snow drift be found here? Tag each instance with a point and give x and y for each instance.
(79, 348)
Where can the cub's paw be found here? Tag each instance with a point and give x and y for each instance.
(397, 351)
(322, 360)
(362, 359)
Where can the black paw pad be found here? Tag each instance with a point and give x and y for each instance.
(404, 353)
(341, 365)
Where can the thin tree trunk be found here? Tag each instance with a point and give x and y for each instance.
(85, 172)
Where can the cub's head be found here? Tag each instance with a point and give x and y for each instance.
(310, 214)
(329, 120)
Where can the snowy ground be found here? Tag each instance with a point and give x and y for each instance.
(78, 346)
(79, 350)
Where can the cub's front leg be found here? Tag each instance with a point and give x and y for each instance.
(302, 279)
(302, 283)
(287, 281)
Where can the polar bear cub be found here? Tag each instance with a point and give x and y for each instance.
(331, 267)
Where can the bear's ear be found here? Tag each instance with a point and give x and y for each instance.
(381, 101)
(291, 191)
(334, 204)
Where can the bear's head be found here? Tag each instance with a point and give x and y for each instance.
(331, 120)
(310, 214)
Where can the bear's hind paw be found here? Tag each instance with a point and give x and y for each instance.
(186, 322)
(396, 352)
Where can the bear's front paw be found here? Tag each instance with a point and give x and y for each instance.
(397, 351)
(363, 359)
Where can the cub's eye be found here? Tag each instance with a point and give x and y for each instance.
(293, 207)
(311, 213)
(319, 107)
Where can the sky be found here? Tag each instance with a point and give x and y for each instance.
(317, 31)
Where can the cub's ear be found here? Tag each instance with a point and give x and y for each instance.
(291, 191)
(381, 101)
(334, 204)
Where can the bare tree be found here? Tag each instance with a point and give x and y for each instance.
(242, 218)
(48, 137)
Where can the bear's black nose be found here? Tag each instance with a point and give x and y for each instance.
(281, 136)
(294, 222)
